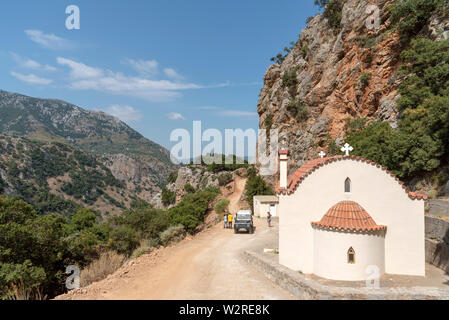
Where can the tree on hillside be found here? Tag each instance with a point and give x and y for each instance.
(255, 185)
(32, 250)
(321, 3)
(221, 206)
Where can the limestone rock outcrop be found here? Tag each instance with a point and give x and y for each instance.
(332, 75)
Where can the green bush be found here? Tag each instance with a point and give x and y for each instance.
(228, 163)
(297, 108)
(353, 125)
(221, 206)
(410, 16)
(32, 249)
(172, 177)
(83, 219)
(365, 78)
(191, 211)
(366, 41)
(224, 179)
(2, 185)
(333, 13)
(268, 122)
(304, 51)
(168, 197)
(20, 274)
(290, 81)
(189, 188)
(123, 240)
(255, 185)
(147, 222)
(321, 3)
(279, 58)
(427, 70)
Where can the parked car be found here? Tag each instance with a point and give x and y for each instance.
(243, 221)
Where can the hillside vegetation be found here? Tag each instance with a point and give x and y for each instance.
(35, 249)
(58, 178)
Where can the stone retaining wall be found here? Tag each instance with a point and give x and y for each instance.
(438, 207)
(437, 242)
(437, 229)
(304, 287)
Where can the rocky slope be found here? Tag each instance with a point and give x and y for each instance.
(199, 178)
(58, 178)
(332, 74)
(142, 164)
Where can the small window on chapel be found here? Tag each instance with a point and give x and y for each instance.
(348, 185)
(351, 256)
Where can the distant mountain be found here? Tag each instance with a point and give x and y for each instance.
(93, 131)
(141, 164)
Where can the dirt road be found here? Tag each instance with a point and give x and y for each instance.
(208, 266)
(234, 203)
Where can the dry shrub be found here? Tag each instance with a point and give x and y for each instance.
(106, 264)
(173, 234)
(146, 246)
(141, 251)
(20, 292)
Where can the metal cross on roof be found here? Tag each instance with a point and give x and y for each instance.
(322, 154)
(346, 149)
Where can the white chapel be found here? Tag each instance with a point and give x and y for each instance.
(340, 215)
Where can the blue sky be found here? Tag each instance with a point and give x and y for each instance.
(157, 65)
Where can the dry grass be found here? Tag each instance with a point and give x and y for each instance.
(106, 264)
(146, 246)
(173, 234)
(20, 292)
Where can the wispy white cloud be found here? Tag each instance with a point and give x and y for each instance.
(80, 70)
(31, 78)
(125, 113)
(144, 67)
(173, 74)
(49, 41)
(175, 116)
(84, 77)
(30, 64)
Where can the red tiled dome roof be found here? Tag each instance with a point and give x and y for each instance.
(305, 170)
(348, 215)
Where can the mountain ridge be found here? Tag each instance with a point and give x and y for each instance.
(140, 163)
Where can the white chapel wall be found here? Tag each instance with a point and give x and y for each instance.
(331, 249)
(376, 191)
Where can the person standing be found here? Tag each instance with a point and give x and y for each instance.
(230, 221)
(225, 220)
(269, 218)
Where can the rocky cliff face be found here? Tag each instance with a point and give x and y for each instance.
(334, 74)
